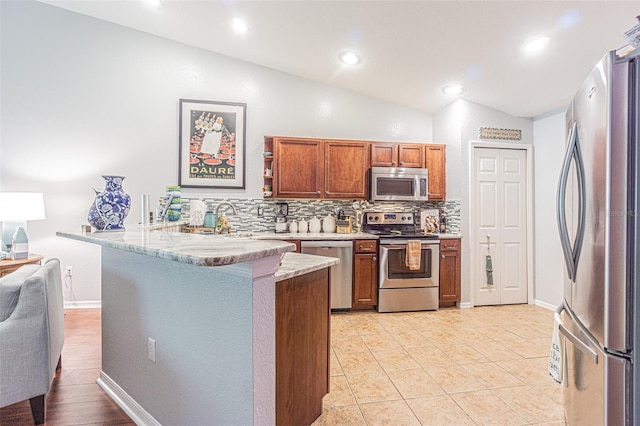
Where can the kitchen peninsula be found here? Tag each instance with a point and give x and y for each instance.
(192, 325)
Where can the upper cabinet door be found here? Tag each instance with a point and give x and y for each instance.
(299, 171)
(346, 169)
(397, 155)
(435, 160)
(411, 155)
(384, 154)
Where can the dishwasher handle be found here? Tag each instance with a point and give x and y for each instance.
(326, 244)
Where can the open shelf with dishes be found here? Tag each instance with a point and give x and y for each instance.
(267, 172)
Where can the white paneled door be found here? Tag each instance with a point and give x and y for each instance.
(499, 204)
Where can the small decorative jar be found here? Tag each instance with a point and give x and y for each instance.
(329, 224)
(303, 226)
(315, 225)
(293, 227)
(110, 207)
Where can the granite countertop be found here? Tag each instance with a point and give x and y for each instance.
(158, 226)
(313, 236)
(328, 236)
(449, 236)
(295, 264)
(201, 250)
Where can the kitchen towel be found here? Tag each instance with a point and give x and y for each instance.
(197, 210)
(556, 357)
(413, 254)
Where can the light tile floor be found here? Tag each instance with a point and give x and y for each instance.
(484, 366)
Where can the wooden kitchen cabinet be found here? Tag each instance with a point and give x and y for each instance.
(365, 276)
(346, 169)
(449, 272)
(303, 318)
(315, 168)
(297, 244)
(298, 168)
(435, 162)
(397, 155)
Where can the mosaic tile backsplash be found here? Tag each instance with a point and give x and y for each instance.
(247, 219)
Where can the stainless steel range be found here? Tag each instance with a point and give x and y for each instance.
(401, 288)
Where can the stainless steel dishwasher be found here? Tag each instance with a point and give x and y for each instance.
(340, 275)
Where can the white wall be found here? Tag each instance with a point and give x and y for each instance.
(458, 125)
(475, 116)
(549, 142)
(446, 130)
(82, 98)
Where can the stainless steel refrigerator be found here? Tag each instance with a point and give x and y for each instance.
(598, 208)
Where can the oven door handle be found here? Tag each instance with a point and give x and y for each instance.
(395, 247)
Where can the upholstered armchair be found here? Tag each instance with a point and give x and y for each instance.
(31, 334)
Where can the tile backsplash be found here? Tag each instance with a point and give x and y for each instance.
(247, 219)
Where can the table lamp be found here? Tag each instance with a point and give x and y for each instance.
(16, 208)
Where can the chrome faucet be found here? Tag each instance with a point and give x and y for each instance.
(224, 203)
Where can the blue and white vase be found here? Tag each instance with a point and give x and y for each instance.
(111, 206)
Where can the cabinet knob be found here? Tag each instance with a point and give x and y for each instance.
(317, 192)
(393, 163)
(326, 192)
(402, 163)
(374, 259)
(442, 256)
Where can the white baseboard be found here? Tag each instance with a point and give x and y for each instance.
(545, 305)
(464, 305)
(129, 405)
(89, 304)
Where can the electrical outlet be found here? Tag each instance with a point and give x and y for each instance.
(151, 350)
(68, 272)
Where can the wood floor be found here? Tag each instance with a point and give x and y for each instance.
(75, 398)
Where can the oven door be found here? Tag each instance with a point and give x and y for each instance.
(394, 272)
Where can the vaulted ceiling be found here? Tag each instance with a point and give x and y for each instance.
(409, 49)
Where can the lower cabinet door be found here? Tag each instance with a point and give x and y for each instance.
(365, 282)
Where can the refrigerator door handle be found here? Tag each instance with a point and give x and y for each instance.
(572, 254)
(561, 205)
(582, 201)
(579, 344)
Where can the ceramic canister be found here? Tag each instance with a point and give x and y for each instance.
(293, 227)
(329, 224)
(314, 225)
(303, 226)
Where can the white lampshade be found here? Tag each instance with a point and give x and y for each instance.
(21, 206)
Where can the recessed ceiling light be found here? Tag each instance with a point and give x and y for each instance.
(536, 45)
(350, 58)
(239, 26)
(453, 89)
(153, 3)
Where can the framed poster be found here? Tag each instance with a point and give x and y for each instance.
(212, 144)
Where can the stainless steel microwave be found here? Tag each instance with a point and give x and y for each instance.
(399, 184)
